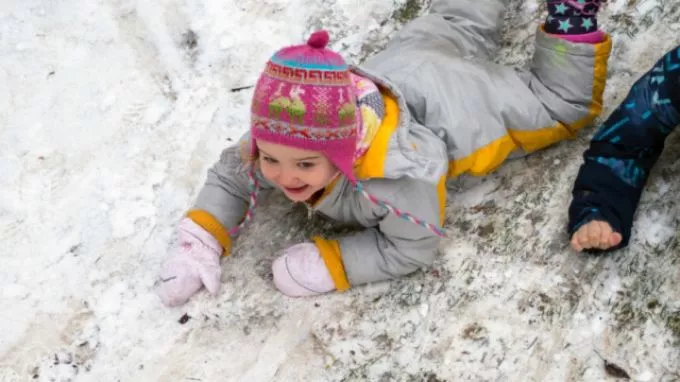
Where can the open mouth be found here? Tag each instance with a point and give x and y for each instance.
(296, 190)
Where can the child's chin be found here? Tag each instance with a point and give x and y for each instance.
(298, 197)
(298, 200)
(301, 197)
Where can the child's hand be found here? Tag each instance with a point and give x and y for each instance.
(194, 262)
(300, 271)
(596, 234)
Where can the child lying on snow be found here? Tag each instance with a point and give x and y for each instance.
(374, 145)
(620, 157)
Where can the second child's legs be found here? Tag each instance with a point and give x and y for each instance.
(621, 156)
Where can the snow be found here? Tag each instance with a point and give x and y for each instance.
(110, 114)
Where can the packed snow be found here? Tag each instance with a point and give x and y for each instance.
(112, 111)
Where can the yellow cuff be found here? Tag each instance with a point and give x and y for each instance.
(212, 225)
(372, 164)
(330, 252)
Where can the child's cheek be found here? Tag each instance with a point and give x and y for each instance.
(266, 170)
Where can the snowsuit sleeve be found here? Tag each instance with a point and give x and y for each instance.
(223, 201)
(624, 149)
(390, 246)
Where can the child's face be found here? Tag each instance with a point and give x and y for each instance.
(298, 173)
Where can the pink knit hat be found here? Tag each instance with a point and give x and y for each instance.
(305, 99)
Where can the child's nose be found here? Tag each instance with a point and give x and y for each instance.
(287, 178)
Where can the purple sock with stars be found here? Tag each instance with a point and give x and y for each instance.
(572, 17)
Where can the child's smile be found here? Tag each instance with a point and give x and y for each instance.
(298, 173)
(295, 190)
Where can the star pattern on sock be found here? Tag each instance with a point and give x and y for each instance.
(565, 26)
(571, 16)
(587, 23)
(561, 9)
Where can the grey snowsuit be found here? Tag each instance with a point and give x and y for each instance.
(449, 110)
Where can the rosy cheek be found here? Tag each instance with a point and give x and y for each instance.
(266, 170)
(319, 180)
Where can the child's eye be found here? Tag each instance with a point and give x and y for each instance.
(269, 160)
(306, 165)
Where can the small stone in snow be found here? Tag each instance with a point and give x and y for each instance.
(190, 40)
(614, 370)
(184, 319)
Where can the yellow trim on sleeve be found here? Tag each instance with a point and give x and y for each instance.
(485, 159)
(602, 51)
(372, 164)
(331, 255)
(533, 140)
(489, 157)
(213, 226)
(441, 197)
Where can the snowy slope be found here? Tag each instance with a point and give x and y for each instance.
(110, 114)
